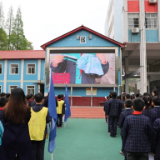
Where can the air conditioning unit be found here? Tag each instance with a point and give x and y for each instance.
(152, 1)
(135, 30)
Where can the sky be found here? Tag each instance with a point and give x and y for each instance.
(45, 20)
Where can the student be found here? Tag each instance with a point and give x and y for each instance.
(3, 95)
(16, 138)
(155, 103)
(155, 92)
(3, 103)
(128, 104)
(127, 96)
(60, 110)
(156, 140)
(151, 114)
(1, 134)
(138, 95)
(113, 112)
(37, 127)
(137, 133)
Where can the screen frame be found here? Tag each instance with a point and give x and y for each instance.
(52, 50)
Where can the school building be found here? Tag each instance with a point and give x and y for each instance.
(24, 69)
(136, 23)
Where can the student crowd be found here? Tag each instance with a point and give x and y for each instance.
(23, 124)
(138, 117)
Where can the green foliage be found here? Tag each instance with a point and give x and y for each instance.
(1, 16)
(3, 40)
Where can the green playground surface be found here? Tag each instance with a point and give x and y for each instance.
(85, 139)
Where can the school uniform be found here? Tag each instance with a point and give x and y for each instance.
(2, 116)
(157, 109)
(151, 114)
(60, 112)
(106, 110)
(114, 107)
(137, 134)
(16, 140)
(156, 139)
(122, 118)
(1, 134)
(39, 116)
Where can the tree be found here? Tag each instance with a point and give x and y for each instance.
(9, 26)
(3, 39)
(17, 38)
(1, 16)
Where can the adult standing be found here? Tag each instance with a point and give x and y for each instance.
(16, 138)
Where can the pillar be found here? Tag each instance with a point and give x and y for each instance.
(143, 58)
(126, 72)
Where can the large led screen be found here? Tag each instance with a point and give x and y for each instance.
(83, 68)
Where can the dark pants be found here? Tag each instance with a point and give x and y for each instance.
(137, 156)
(38, 149)
(108, 125)
(113, 125)
(59, 122)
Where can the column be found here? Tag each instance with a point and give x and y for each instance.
(125, 20)
(158, 17)
(126, 72)
(143, 58)
(71, 96)
(5, 77)
(91, 96)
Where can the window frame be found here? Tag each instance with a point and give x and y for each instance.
(85, 40)
(30, 86)
(129, 26)
(11, 68)
(152, 22)
(2, 68)
(34, 69)
(11, 86)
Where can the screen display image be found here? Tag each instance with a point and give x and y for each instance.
(83, 68)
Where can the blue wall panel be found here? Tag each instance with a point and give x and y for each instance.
(2, 88)
(12, 84)
(102, 92)
(30, 76)
(71, 41)
(152, 35)
(14, 76)
(42, 69)
(2, 75)
(25, 84)
(61, 90)
(133, 37)
(77, 91)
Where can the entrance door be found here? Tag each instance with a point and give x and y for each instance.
(42, 88)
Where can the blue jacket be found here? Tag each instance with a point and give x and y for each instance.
(70, 67)
(137, 133)
(2, 117)
(156, 139)
(151, 114)
(157, 109)
(123, 116)
(113, 108)
(1, 132)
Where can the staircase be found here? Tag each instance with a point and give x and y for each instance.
(87, 112)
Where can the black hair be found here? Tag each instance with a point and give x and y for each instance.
(114, 94)
(122, 97)
(133, 97)
(155, 100)
(59, 96)
(3, 94)
(137, 95)
(8, 95)
(147, 101)
(38, 97)
(138, 104)
(28, 97)
(119, 97)
(3, 101)
(128, 103)
(146, 94)
(156, 92)
(128, 96)
(110, 94)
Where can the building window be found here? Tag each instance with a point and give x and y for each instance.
(30, 90)
(0, 68)
(31, 68)
(133, 20)
(0, 89)
(151, 20)
(12, 87)
(14, 69)
(82, 39)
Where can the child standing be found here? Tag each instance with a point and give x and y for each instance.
(37, 127)
(137, 133)
(156, 139)
(155, 103)
(1, 134)
(128, 104)
(60, 110)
